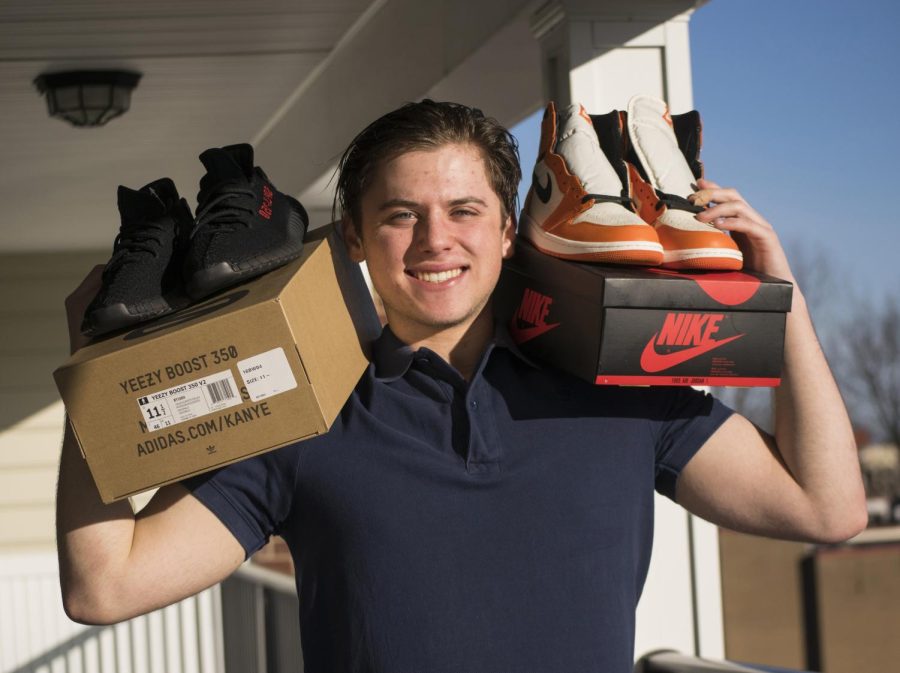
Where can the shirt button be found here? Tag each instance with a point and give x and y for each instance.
(474, 404)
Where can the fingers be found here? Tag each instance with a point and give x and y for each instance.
(744, 225)
(722, 204)
(732, 209)
(705, 196)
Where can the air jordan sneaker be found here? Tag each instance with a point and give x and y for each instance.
(663, 158)
(244, 226)
(579, 206)
(142, 279)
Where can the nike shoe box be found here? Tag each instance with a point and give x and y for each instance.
(629, 325)
(250, 369)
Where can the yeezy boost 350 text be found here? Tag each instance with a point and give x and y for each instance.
(244, 226)
(142, 279)
(579, 205)
(664, 162)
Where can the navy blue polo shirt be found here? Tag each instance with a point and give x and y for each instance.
(498, 525)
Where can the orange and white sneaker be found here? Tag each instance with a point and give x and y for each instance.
(579, 206)
(663, 164)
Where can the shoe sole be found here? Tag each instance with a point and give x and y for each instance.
(216, 277)
(710, 259)
(118, 316)
(644, 253)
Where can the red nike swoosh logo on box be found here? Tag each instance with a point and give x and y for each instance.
(651, 361)
(522, 334)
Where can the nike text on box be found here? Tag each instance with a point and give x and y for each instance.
(253, 368)
(633, 326)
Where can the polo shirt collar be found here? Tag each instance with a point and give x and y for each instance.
(392, 357)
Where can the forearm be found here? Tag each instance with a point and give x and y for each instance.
(93, 539)
(814, 434)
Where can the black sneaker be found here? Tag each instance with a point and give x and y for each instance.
(244, 226)
(142, 279)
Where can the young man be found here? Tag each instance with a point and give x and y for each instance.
(469, 510)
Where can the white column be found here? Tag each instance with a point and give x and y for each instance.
(601, 61)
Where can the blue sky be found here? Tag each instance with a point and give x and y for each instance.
(800, 106)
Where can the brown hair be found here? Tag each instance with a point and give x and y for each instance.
(427, 125)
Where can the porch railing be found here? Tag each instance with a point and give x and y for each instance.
(37, 637)
(260, 622)
(667, 661)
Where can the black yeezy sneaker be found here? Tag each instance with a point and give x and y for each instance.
(142, 279)
(244, 226)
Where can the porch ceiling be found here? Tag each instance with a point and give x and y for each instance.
(297, 77)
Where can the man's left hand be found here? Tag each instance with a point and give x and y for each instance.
(754, 235)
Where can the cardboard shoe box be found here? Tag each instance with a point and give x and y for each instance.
(628, 325)
(250, 369)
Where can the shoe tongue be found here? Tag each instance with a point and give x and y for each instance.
(653, 137)
(577, 142)
(143, 205)
(233, 162)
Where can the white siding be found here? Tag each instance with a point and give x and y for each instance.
(33, 342)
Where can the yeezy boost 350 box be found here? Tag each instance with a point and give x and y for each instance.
(626, 325)
(250, 369)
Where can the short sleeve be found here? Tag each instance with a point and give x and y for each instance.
(251, 497)
(683, 418)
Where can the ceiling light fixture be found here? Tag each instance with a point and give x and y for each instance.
(87, 97)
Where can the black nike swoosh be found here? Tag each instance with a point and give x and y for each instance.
(522, 334)
(543, 192)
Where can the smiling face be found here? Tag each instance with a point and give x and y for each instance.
(433, 235)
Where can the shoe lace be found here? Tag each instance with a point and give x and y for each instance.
(604, 198)
(676, 202)
(225, 210)
(145, 237)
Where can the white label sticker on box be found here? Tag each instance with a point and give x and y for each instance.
(189, 400)
(267, 374)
